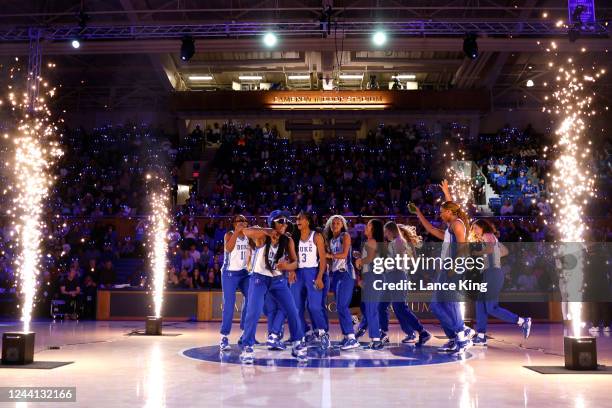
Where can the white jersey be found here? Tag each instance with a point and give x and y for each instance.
(236, 259)
(450, 241)
(307, 253)
(493, 260)
(365, 268)
(337, 245)
(399, 247)
(259, 263)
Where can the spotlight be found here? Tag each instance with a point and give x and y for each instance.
(470, 47)
(75, 43)
(529, 83)
(270, 39)
(379, 38)
(187, 48)
(83, 19)
(574, 31)
(573, 34)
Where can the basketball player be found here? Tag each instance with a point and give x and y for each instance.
(274, 253)
(488, 304)
(407, 319)
(234, 276)
(274, 312)
(342, 276)
(309, 282)
(372, 248)
(447, 310)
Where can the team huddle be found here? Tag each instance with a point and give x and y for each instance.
(285, 269)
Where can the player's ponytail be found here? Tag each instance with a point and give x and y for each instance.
(457, 211)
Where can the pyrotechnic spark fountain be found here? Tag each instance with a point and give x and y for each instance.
(460, 187)
(158, 237)
(571, 181)
(459, 184)
(35, 151)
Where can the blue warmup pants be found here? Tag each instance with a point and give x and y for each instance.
(275, 315)
(342, 285)
(446, 310)
(488, 304)
(326, 288)
(259, 287)
(306, 295)
(231, 281)
(407, 319)
(363, 323)
(371, 308)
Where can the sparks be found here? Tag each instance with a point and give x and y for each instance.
(35, 151)
(158, 238)
(571, 184)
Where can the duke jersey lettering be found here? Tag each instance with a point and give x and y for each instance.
(236, 259)
(307, 253)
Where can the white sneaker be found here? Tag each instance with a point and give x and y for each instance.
(247, 356)
(469, 332)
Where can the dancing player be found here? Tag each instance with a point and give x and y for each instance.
(275, 314)
(307, 290)
(274, 252)
(342, 276)
(234, 276)
(447, 310)
(488, 303)
(372, 248)
(409, 323)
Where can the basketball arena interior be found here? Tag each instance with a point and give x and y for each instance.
(315, 203)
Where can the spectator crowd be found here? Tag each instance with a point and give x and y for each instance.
(102, 171)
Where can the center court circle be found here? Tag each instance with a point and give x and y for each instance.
(397, 355)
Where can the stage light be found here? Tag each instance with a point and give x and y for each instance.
(200, 77)
(379, 38)
(250, 77)
(404, 76)
(75, 43)
(351, 76)
(573, 34)
(83, 19)
(470, 46)
(187, 48)
(529, 83)
(270, 39)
